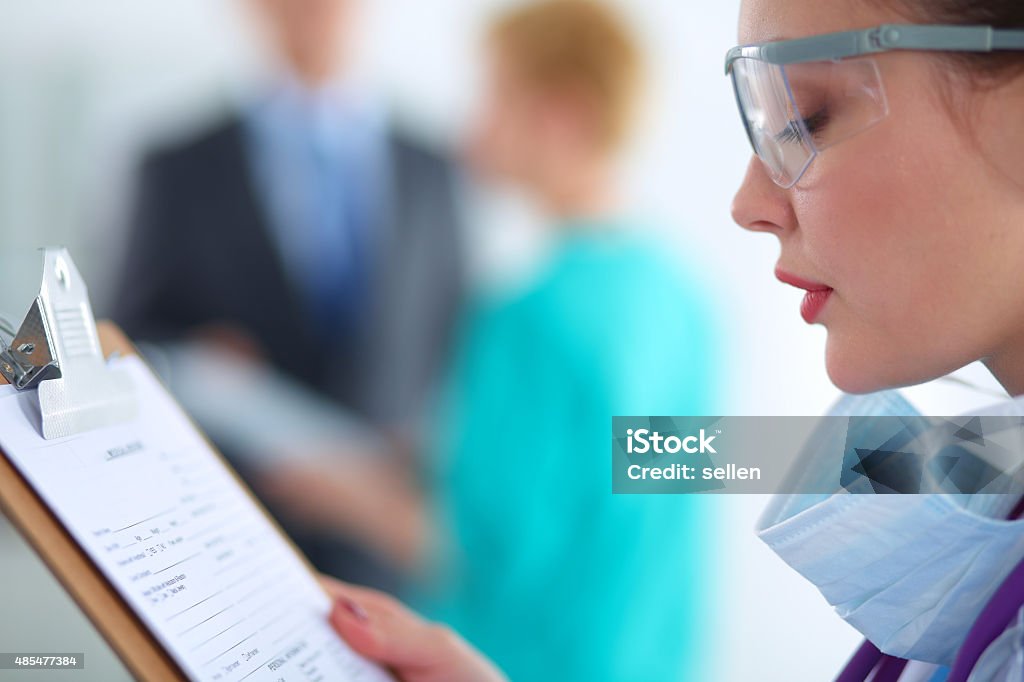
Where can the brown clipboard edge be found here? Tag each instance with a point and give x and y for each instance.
(100, 601)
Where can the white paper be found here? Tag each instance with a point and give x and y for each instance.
(180, 539)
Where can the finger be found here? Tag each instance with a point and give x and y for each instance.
(336, 588)
(383, 630)
(332, 586)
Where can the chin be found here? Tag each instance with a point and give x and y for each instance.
(857, 368)
(862, 367)
(851, 381)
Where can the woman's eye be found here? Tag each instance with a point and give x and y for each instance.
(814, 124)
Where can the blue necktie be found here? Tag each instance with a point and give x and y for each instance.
(337, 241)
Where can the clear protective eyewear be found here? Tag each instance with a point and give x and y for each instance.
(799, 97)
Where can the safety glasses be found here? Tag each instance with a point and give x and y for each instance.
(799, 97)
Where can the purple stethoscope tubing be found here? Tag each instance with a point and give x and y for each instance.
(993, 620)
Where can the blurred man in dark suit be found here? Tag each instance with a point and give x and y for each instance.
(304, 230)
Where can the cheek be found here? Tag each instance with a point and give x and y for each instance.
(886, 219)
(497, 141)
(866, 219)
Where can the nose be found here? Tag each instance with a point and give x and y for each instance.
(760, 205)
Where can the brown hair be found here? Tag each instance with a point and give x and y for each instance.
(577, 46)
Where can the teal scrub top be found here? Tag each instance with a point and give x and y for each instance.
(544, 569)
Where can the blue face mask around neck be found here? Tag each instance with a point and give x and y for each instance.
(910, 572)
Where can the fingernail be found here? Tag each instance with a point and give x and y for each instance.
(357, 611)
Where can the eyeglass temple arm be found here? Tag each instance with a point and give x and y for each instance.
(881, 39)
(949, 38)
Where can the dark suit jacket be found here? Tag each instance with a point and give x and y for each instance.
(202, 252)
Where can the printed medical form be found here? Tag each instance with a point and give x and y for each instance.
(182, 542)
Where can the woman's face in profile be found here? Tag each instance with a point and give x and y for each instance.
(916, 224)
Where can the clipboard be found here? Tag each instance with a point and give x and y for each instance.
(141, 654)
(120, 625)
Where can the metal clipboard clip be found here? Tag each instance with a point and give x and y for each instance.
(57, 352)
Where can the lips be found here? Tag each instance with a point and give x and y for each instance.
(815, 299)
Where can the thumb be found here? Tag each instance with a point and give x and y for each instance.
(383, 630)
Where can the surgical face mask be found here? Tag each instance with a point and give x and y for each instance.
(910, 572)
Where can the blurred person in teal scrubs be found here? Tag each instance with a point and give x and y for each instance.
(535, 561)
(552, 576)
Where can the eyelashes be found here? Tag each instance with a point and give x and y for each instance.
(814, 124)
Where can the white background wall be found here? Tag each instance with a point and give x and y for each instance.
(83, 85)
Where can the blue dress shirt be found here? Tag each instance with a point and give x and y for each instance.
(319, 160)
